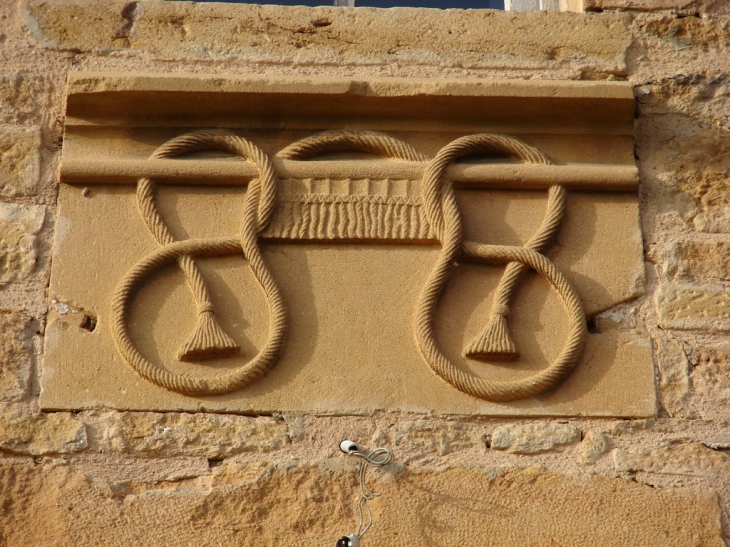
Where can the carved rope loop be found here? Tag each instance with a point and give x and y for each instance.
(207, 341)
(443, 214)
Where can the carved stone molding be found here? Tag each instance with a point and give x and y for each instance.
(264, 244)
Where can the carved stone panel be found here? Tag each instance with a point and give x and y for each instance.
(258, 245)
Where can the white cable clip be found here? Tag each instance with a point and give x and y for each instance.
(377, 458)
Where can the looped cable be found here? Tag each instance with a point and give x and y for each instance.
(377, 458)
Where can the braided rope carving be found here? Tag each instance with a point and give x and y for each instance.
(258, 207)
(443, 214)
(443, 218)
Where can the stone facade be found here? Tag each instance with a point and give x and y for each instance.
(108, 477)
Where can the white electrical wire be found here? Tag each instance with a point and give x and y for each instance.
(377, 458)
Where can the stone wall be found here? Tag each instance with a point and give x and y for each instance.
(114, 478)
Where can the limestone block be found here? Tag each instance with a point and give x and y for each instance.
(711, 375)
(689, 32)
(41, 434)
(307, 506)
(697, 260)
(19, 227)
(299, 37)
(674, 380)
(119, 470)
(15, 356)
(643, 5)
(22, 98)
(443, 438)
(19, 162)
(693, 307)
(196, 435)
(593, 446)
(691, 459)
(534, 437)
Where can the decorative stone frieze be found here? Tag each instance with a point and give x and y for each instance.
(331, 245)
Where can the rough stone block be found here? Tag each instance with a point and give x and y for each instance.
(19, 162)
(693, 307)
(119, 470)
(15, 356)
(711, 375)
(19, 227)
(443, 438)
(674, 382)
(307, 506)
(22, 432)
(210, 436)
(697, 260)
(691, 459)
(535, 437)
(641, 5)
(593, 446)
(23, 98)
(302, 37)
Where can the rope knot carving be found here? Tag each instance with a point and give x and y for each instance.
(208, 340)
(494, 341)
(440, 213)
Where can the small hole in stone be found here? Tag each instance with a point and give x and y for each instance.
(88, 323)
(321, 23)
(214, 463)
(591, 325)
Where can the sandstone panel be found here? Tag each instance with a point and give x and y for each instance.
(351, 234)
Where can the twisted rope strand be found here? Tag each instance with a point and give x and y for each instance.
(443, 214)
(258, 208)
(372, 142)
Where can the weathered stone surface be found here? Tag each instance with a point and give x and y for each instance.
(15, 356)
(711, 375)
(688, 307)
(697, 260)
(19, 162)
(593, 446)
(330, 36)
(23, 98)
(119, 471)
(440, 437)
(692, 459)
(682, 6)
(534, 437)
(674, 380)
(203, 435)
(19, 226)
(686, 32)
(308, 506)
(41, 434)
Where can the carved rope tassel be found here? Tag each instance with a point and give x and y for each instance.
(494, 342)
(208, 341)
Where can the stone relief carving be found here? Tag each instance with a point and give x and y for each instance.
(440, 249)
(431, 210)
